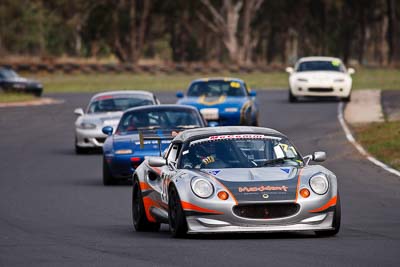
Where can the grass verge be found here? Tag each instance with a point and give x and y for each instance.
(15, 97)
(61, 83)
(161, 82)
(381, 140)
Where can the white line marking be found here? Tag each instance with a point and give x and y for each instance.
(360, 149)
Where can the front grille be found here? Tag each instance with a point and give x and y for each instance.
(100, 140)
(320, 89)
(266, 211)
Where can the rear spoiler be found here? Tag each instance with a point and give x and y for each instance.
(154, 137)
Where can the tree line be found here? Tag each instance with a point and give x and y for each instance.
(243, 32)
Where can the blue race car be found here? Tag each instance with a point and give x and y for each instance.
(142, 132)
(222, 101)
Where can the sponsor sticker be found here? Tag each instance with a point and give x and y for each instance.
(236, 136)
(285, 170)
(262, 188)
(265, 196)
(103, 97)
(214, 172)
(235, 84)
(149, 142)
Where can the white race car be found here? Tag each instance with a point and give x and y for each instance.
(105, 109)
(319, 77)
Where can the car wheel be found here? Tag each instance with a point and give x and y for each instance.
(292, 98)
(108, 179)
(139, 219)
(176, 216)
(38, 94)
(81, 150)
(255, 121)
(346, 99)
(335, 223)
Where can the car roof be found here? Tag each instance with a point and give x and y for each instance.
(304, 59)
(162, 107)
(194, 134)
(206, 79)
(144, 94)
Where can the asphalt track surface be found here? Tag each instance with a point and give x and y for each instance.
(54, 210)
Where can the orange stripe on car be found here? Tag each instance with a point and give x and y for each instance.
(148, 203)
(144, 186)
(298, 184)
(330, 203)
(190, 206)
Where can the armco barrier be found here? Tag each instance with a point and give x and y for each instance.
(70, 68)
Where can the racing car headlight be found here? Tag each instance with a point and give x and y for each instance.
(123, 151)
(319, 184)
(231, 110)
(202, 188)
(87, 125)
(302, 80)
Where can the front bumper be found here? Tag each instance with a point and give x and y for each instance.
(90, 138)
(226, 119)
(123, 166)
(321, 89)
(213, 215)
(211, 224)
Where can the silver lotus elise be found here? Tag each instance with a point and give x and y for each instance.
(235, 179)
(105, 109)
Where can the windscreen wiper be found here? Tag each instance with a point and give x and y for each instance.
(149, 127)
(277, 160)
(187, 126)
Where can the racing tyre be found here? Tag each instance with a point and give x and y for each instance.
(335, 224)
(176, 215)
(108, 179)
(139, 218)
(80, 150)
(37, 93)
(346, 99)
(255, 121)
(292, 98)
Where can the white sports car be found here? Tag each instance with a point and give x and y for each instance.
(319, 77)
(105, 109)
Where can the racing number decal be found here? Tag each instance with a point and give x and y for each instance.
(165, 177)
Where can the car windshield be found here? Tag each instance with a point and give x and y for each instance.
(110, 103)
(239, 151)
(216, 89)
(8, 73)
(159, 119)
(321, 65)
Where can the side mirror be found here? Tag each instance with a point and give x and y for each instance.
(212, 124)
(179, 94)
(157, 162)
(107, 130)
(289, 70)
(319, 156)
(79, 111)
(351, 71)
(252, 93)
